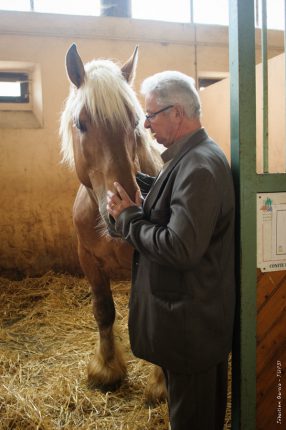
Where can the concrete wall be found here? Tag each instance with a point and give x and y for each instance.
(37, 192)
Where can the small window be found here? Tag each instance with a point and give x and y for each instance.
(206, 82)
(14, 87)
(178, 11)
(210, 12)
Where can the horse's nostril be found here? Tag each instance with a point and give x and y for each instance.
(111, 227)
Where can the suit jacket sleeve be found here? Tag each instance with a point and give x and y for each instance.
(177, 232)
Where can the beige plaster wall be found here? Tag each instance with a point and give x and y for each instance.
(216, 115)
(36, 191)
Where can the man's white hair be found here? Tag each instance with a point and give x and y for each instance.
(172, 87)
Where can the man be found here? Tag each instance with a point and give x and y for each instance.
(182, 298)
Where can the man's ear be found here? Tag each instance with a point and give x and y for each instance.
(180, 111)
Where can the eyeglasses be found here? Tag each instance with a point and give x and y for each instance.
(152, 115)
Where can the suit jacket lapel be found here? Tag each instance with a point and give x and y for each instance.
(159, 182)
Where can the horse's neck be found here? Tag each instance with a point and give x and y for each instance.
(92, 195)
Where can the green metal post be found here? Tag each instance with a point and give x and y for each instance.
(116, 8)
(247, 183)
(192, 11)
(243, 162)
(285, 81)
(265, 84)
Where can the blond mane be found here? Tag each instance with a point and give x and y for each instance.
(108, 98)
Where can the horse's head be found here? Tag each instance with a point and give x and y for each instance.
(101, 124)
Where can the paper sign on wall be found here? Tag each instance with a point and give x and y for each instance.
(271, 231)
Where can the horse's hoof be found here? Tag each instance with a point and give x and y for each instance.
(104, 388)
(105, 377)
(156, 390)
(153, 396)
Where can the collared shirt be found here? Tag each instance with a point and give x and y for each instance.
(175, 148)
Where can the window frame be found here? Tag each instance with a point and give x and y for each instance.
(117, 4)
(29, 114)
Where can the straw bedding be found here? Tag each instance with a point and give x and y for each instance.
(47, 336)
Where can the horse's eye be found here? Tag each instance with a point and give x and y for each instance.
(136, 122)
(80, 126)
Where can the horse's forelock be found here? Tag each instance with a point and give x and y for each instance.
(108, 99)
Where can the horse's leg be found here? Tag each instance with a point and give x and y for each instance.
(107, 368)
(156, 390)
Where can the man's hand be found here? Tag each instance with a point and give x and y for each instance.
(116, 203)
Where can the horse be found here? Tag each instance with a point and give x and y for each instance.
(104, 139)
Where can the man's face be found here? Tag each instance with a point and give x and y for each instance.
(163, 125)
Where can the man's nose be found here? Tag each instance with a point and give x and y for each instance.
(146, 123)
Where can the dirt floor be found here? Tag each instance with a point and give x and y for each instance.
(47, 336)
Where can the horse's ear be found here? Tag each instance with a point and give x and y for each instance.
(74, 66)
(129, 68)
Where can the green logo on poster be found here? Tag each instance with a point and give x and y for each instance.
(267, 206)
